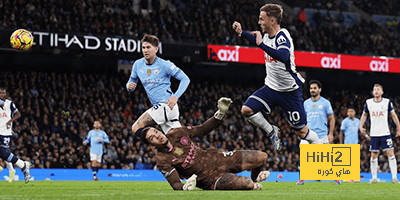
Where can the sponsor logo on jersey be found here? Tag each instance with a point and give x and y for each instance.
(331, 62)
(3, 115)
(377, 114)
(379, 66)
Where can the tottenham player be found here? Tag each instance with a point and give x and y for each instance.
(96, 138)
(283, 85)
(155, 73)
(178, 157)
(8, 114)
(319, 115)
(378, 108)
(350, 128)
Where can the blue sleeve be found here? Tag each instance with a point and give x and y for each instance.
(13, 108)
(343, 126)
(366, 108)
(178, 74)
(105, 138)
(251, 38)
(281, 54)
(133, 78)
(328, 108)
(390, 107)
(88, 137)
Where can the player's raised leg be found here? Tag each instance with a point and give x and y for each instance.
(230, 181)
(257, 102)
(5, 154)
(255, 161)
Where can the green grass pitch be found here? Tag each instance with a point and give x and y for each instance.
(162, 191)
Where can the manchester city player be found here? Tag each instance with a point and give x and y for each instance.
(155, 74)
(350, 128)
(96, 138)
(282, 83)
(319, 116)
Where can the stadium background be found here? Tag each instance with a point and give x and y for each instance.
(60, 89)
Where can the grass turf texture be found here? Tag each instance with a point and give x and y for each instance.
(162, 191)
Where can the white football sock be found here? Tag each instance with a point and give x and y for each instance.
(374, 167)
(393, 166)
(312, 137)
(20, 163)
(10, 166)
(259, 120)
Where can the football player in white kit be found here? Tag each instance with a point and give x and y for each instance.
(8, 114)
(11, 114)
(378, 109)
(283, 85)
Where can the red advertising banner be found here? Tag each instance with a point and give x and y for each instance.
(240, 54)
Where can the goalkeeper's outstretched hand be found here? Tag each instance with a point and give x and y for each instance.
(223, 106)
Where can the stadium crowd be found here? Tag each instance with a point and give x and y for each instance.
(58, 110)
(206, 22)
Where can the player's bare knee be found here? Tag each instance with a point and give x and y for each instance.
(246, 111)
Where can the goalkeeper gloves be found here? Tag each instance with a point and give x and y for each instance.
(223, 106)
(190, 183)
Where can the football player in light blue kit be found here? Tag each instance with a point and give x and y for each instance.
(319, 114)
(155, 74)
(349, 128)
(96, 138)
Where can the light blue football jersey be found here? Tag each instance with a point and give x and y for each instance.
(96, 147)
(350, 129)
(317, 115)
(156, 79)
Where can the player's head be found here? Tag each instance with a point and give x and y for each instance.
(315, 88)
(153, 136)
(3, 93)
(149, 46)
(96, 124)
(270, 15)
(351, 112)
(377, 90)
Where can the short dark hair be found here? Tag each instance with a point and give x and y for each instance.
(3, 88)
(273, 10)
(143, 134)
(316, 82)
(152, 39)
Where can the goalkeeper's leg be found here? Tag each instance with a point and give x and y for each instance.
(232, 182)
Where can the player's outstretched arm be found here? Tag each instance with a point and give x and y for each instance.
(223, 106)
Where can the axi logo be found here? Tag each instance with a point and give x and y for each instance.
(229, 54)
(379, 66)
(330, 62)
